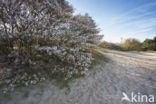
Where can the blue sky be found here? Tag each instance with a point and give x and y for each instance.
(120, 18)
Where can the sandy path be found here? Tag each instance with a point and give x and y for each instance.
(126, 72)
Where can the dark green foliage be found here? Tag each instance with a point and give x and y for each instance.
(108, 45)
(135, 45)
(131, 45)
(149, 44)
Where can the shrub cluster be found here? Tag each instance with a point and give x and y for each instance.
(131, 45)
(46, 35)
(135, 45)
(109, 45)
(149, 44)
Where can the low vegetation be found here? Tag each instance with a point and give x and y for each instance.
(135, 45)
(109, 45)
(132, 44)
(149, 44)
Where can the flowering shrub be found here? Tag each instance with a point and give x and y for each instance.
(45, 35)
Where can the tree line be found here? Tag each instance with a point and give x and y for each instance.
(134, 44)
(131, 44)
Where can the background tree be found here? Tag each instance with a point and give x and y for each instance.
(131, 44)
(149, 44)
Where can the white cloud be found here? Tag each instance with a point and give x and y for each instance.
(137, 23)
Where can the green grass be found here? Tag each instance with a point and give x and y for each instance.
(60, 78)
(99, 57)
(2, 84)
(26, 94)
(149, 51)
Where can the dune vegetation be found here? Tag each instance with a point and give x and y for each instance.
(44, 39)
(131, 44)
